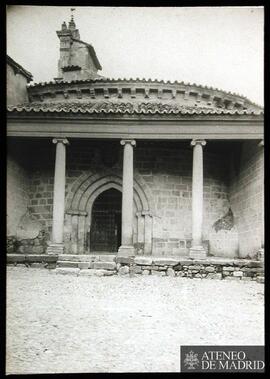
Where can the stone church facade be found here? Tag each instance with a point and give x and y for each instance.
(130, 167)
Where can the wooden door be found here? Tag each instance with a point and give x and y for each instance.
(105, 232)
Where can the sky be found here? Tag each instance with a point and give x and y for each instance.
(220, 47)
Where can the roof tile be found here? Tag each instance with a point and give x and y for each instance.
(125, 107)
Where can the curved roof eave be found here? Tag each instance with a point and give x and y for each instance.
(145, 81)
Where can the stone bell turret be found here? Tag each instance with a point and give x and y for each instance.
(78, 60)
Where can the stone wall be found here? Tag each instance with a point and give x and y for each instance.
(17, 193)
(232, 203)
(26, 230)
(108, 265)
(245, 192)
(16, 87)
(165, 169)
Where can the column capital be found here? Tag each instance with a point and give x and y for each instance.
(128, 141)
(261, 143)
(60, 140)
(201, 142)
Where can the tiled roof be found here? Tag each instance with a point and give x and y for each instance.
(18, 68)
(125, 107)
(100, 79)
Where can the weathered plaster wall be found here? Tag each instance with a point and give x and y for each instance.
(17, 193)
(245, 192)
(16, 88)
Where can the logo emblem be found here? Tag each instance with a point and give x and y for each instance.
(191, 360)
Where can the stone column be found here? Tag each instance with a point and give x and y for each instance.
(127, 249)
(57, 246)
(197, 250)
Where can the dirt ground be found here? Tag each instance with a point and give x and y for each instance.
(67, 324)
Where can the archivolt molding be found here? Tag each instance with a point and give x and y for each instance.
(88, 186)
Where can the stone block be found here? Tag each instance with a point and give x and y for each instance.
(137, 269)
(67, 264)
(209, 269)
(217, 276)
(145, 272)
(49, 258)
(50, 266)
(123, 270)
(232, 278)
(222, 261)
(34, 258)
(198, 276)
(124, 260)
(143, 261)
(118, 265)
(104, 265)
(165, 261)
(254, 264)
(76, 257)
(90, 272)
(12, 258)
(260, 279)
(228, 268)
(238, 273)
(108, 272)
(180, 273)
(170, 272)
(161, 268)
(246, 278)
(158, 273)
(107, 258)
(83, 265)
(195, 267)
(37, 249)
(67, 270)
(37, 265)
(93, 272)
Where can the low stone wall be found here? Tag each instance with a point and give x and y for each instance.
(36, 245)
(33, 260)
(209, 268)
(107, 265)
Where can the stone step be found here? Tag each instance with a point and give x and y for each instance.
(87, 257)
(87, 265)
(31, 258)
(69, 263)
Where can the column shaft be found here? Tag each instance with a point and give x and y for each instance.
(126, 247)
(59, 196)
(127, 196)
(197, 250)
(197, 195)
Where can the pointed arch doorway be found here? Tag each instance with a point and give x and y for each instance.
(105, 231)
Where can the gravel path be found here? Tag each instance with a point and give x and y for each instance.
(67, 324)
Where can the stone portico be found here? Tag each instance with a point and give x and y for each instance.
(136, 167)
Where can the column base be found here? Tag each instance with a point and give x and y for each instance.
(126, 251)
(197, 252)
(55, 248)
